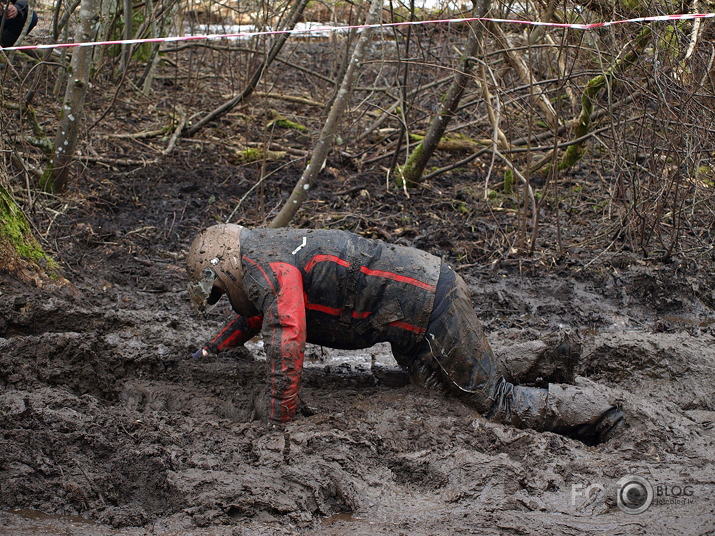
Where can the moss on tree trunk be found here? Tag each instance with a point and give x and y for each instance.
(20, 253)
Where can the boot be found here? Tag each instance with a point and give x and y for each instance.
(579, 413)
(583, 413)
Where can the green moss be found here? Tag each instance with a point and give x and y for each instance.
(454, 142)
(142, 51)
(45, 144)
(15, 229)
(287, 123)
(706, 175)
(47, 183)
(632, 5)
(279, 121)
(249, 155)
(601, 206)
(508, 182)
(406, 174)
(583, 123)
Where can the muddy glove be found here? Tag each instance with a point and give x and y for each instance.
(201, 352)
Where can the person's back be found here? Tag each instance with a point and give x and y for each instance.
(357, 291)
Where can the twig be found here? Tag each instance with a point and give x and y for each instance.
(289, 98)
(258, 183)
(323, 145)
(387, 113)
(272, 146)
(520, 149)
(117, 161)
(177, 131)
(279, 41)
(134, 135)
(708, 71)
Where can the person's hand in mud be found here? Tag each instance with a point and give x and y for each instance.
(201, 352)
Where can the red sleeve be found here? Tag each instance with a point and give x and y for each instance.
(236, 333)
(284, 333)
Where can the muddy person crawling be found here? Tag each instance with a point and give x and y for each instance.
(340, 290)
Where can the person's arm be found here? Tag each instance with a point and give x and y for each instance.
(21, 7)
(284, 337)
(236, 333)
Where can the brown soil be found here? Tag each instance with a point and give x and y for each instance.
(109, 427)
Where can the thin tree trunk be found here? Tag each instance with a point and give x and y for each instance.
(57, 174)
(60, 31)
(128, 22)
(412, 171)
(327, 134)
(156, 30)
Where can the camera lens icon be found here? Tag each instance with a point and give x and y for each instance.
(634, 494)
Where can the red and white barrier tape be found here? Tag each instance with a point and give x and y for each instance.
(324, 29)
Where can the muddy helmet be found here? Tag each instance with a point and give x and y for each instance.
(214, 266)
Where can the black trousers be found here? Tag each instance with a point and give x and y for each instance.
(455, 354)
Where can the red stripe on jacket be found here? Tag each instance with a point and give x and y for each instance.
(367, 271)
(323, 258)
(409, 327)
(237, 332)
(332, 310)
(287, 340)
(360, 315)
(397, 277)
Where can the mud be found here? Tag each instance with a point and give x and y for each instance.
(108, 427)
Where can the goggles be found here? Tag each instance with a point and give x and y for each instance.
(204, 294)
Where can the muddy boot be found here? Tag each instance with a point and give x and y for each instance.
(584, 413)
(579, 413)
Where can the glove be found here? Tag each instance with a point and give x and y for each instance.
(201, 352)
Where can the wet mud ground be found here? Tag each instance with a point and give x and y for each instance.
(108, 427)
